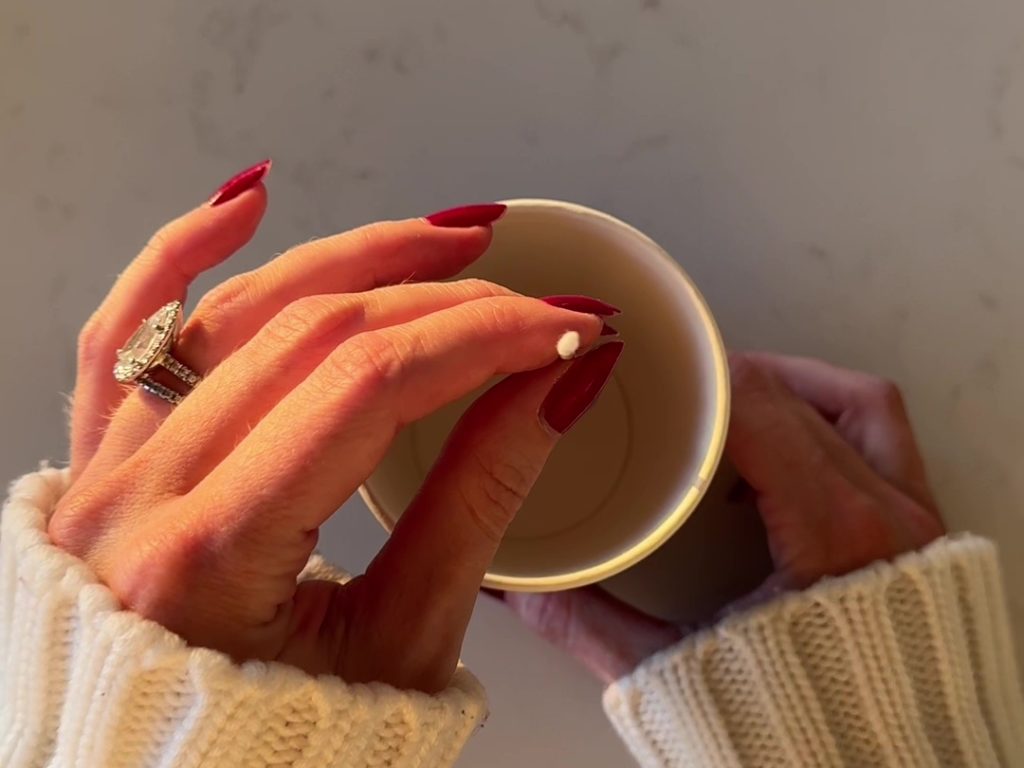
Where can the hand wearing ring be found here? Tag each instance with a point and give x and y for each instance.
(199, 507)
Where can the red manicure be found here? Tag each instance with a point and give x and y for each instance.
(239, 183)
(583, 304)
(468, 215)
(577, 390)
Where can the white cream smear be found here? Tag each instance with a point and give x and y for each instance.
(568, 344)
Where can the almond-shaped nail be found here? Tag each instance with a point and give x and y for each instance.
(240, 182)
(578, 388)
(584, 304)
(468, 215)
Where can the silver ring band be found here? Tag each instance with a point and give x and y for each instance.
(185, 374)
(157, 389)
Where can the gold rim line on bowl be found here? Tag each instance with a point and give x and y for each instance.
(712, 457)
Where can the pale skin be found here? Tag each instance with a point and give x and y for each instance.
(836, 474)
(200, 517)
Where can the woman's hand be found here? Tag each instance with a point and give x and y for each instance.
(839, 482)
(201, 516)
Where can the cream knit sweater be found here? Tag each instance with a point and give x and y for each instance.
(903, 664)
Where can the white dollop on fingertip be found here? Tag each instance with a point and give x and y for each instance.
(568, 344)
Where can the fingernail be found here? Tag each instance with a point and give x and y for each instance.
(468, 215)
(609, 330)
(240, 182)
(578, 388)
(582, 304)
(497, 594)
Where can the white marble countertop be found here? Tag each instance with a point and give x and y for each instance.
(841, 179)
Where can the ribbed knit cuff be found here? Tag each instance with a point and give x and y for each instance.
(85, 683)
(908, 663)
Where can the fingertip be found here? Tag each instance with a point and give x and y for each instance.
(744, 370)
(479, 236)
(248, 204)
(512, 405)
(586, 320)
(578, 389)
(434, 253)
(206, 236)
(252, 205)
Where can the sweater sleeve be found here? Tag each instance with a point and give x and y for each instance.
(86, 683)
(908, 663)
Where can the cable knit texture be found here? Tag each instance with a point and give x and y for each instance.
(907, 663)
(85, 683)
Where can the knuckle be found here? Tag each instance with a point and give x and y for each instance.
(286, 328)
(746, 373)
(885, 394)
(151, 576)
(386, 355)
(222, 300)
(548, 614)
(476, 286)
(66, 530)
(498, 314)
(163, 248)
(92, 345)
(79, 521)
(160, 243)
(305, 321)
(497, 490)
(375, 361)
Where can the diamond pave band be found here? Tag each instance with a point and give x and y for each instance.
(150, 348)
(159, 390)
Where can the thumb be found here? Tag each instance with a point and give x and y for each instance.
(607, 636)
(424, 582)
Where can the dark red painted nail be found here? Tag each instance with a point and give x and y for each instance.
(468, 215)
(497, 594)
(583, 304)
(240, 182)
(577, 390)
(609, 330)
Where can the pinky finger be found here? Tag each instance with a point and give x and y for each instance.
(162, 272)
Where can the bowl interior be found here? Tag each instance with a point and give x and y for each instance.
(627, 475)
